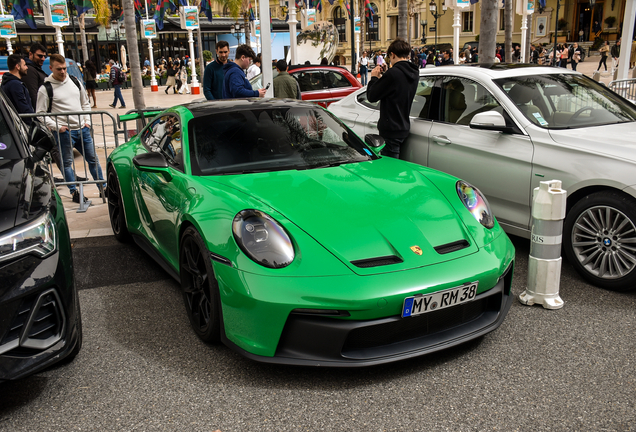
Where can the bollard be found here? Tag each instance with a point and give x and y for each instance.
(544, 263)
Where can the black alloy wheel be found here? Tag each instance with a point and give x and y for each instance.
(599, 239)
(116, 207)
(199, 286)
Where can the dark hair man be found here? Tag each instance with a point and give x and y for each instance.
(14, 88)
(35, 76)
(69, 95)
(447, 58)
(235, 84)
(116, 79)
(285, 85)
(396, 90)
(213, 74)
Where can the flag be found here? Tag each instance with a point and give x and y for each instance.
(251, 13)
(348, 8)
(331, 2)
(207, 9)
(23, 9)
(82, 6)
(160, 11)
(369, 12)
(138, 9)
(542, 3)
(474, 1)
(317, 4)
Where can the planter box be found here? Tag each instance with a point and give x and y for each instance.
(162, 81)
(146, 83)
(102, 85)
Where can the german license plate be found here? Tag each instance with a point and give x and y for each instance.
(421, 304)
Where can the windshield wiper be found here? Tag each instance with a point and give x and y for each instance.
(328, 165)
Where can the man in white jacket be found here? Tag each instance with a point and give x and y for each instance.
(69, 95)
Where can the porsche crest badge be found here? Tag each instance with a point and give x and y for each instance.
(417, 250)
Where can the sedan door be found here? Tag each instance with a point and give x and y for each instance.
(499, 164)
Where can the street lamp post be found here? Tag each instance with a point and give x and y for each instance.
(424, 24)
(433, 8)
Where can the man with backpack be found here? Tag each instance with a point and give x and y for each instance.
(117, 78)
(63, 93)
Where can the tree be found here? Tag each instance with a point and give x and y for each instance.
(133, 52)
(509, 19)
(403, 16)
(488, 31)
(236, 8)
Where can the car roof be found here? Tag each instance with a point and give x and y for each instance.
(497, 70)
(201, 109)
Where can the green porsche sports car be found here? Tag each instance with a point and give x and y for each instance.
(294, 242)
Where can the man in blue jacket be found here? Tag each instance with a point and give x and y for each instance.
(14, 88)
(213, 73)
(235, 83)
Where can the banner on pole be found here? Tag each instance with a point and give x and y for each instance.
(528, 4)
(7, 26)
(189, 17)
(462, 3)
(356, 24)
(150, 29)
(56, 13)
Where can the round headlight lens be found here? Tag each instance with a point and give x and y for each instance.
(476, 203)
(263, 239)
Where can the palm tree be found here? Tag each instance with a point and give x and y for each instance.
(236, 8)
(133, 50)
(403, 16)
(488, 31)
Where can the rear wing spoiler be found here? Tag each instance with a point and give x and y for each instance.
(134, 115)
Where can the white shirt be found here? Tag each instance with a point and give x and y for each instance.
(252, 71)
(364, 61)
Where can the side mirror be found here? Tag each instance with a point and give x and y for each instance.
(376, 142)
(152, 162)
(490, 120)
(41, 138)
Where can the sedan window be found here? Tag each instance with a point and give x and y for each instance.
(336, 80)
(261, 140)
(565, 101)
(310, 80)
(362, 98)
(462, 99)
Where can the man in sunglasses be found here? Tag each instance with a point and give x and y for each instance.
(35, 75)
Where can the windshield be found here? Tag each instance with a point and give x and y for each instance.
(271, 139)
(564, 101)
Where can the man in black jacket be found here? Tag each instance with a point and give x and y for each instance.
(14, 88)
(395, 90)
(35, 77)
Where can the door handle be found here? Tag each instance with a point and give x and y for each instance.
(441, 139)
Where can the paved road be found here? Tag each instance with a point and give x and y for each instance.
(142, 368)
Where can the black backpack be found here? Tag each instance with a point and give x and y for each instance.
(49, 90)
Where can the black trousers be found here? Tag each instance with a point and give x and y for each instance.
(392, 147)
(602, 61)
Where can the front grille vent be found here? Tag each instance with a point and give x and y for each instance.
(377, 262)
(39, 323)
(452, 247)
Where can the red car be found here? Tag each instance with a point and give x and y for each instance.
(318, 83)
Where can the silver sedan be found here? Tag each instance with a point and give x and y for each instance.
(505, 128)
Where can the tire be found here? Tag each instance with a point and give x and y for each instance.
(599, 239)
(116, 207)
(199, 286)
(80, 334)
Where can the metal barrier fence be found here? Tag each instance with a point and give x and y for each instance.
(625, 88)
(101, 136)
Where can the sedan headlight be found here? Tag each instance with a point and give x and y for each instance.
(476, 203)
(263, 239)
(38, 238)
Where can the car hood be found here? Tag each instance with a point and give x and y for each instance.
(364, 211)
(25, 191)
(615, 140)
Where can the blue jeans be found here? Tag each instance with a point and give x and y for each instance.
(363, 75)
(87, 150)
(118, 95)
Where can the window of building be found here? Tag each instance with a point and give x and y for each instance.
(467, 21)
(340, 22)
(502, 20)
(372, 24)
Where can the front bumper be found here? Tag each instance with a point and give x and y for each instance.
(262, 320)
(39, 311)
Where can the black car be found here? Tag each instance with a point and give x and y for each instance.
(40, 322)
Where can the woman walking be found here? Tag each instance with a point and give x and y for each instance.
(171, 81)
(565, 53)
(91, 85)
(183, 77)
(576, 55)
(603, 61)
(364, 68)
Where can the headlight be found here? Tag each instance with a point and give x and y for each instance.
(38, 238)
(263, 239)
(476, 203)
